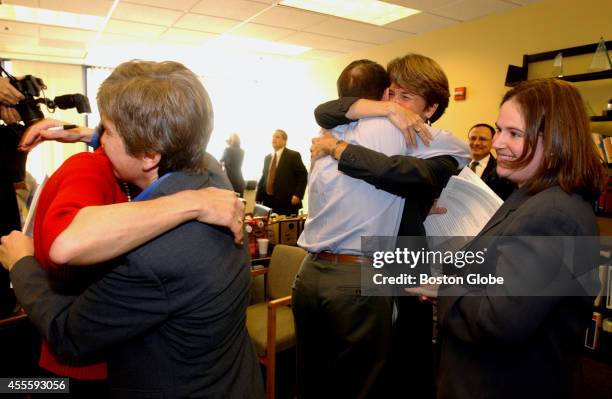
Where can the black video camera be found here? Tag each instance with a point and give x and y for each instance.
(28, 108)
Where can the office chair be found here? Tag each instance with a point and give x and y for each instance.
(270, 324)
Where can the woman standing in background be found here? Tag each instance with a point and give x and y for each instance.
(232, 162)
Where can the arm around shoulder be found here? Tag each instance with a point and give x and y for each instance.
(397, 174)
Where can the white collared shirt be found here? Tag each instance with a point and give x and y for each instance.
(278, 155)
(342, 209)
(482, 165)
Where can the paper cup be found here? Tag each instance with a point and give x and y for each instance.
(262, 244)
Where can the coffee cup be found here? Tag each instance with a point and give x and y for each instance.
(262, 245)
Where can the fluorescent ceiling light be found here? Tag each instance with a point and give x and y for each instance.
(239, 43)
(369, 11)
(50, 17)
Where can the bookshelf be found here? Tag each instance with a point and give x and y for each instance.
(598, 341)
(602, 126)
(603, 118)
(577, 59)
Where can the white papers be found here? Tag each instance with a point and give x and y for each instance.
(28, 225)
(470, 204)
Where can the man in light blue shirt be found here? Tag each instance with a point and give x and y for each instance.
(342, 209)
(342, 336)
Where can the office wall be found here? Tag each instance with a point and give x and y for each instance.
(476, 54)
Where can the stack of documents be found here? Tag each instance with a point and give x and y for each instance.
(470, 203)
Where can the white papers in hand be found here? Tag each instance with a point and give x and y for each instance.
(470, 203)
(28, 225)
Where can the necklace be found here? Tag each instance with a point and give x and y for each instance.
(126, 188)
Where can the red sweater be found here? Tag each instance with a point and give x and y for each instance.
(85, 179)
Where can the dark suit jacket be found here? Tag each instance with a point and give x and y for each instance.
(502, 186)
(232, 159)
(170, 318)
(12, 164)
(291, 177)
(419, 181)
(499, 346)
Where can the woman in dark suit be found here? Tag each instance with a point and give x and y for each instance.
(232, 162)
(523, 338)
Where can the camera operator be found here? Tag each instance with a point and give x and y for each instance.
(8, 94)
(12, 165)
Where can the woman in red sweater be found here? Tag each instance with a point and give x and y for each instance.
(82, 193)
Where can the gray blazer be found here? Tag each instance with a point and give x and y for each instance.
(495, 346)
(169, 318)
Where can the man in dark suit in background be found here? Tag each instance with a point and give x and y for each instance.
(484, 163)
(283, 181)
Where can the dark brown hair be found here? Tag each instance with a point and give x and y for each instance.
(159, 107)
(485, 125)
(364, 79)
(423, 76)
(554, 110)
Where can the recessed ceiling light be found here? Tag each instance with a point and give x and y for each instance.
(369, 11)
(50, 17)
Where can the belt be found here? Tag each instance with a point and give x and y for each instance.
(340, 258)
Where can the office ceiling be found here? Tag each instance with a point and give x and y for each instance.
(190, 24)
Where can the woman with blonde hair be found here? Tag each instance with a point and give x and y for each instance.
(231, 161)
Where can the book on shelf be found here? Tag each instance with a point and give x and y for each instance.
(604, 146)
(604, 202)
(603, 283)
(598, 140)
(609, 289)
(591, 337)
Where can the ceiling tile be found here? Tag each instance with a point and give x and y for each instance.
(320, 42)
(422, 22)
(321, 55)
(469, 9)
(133, 29)
(91, 7)
(522, 2)
(78, 35)
(421, 5)
(180, 5)
(62, 44)
(19, 28)
(145, 14)
(206, 24)
(262, 32)
(233, 9)
(25, 3)
(14, 40)
(290, 18)
(37, 49)
(184, 36)
(352, 30)
(112, 39)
